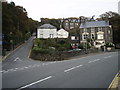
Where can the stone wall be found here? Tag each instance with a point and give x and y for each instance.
(58, 56)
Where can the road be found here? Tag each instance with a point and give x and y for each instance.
(92, 71)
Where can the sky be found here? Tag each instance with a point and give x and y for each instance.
(66, 8)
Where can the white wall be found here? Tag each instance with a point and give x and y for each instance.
(46, 33)
(62, 34)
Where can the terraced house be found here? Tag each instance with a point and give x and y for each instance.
(100, 32)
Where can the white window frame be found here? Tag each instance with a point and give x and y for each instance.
(99, 29)
(41, 35)
(85, 30)
(51, 35)
(92, 35)
(92, 29)
(72, 37)
(85, 36)
(100, 36)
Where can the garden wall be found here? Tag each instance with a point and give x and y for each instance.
(58, 56)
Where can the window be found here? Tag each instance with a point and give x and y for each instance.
(71, 24)
(41, 35)
(92, 29)
(51, 36)
(85, 36)
(66, 24)
(72, 37)
(99, 29)
(76, 24)
(108, 31)
(92, 36)
(85, 30)
(100, 36)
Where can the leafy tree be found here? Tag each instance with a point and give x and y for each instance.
(16, 24)
(114, 19)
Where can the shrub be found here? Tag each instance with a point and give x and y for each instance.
(109, 45)
(41, 50)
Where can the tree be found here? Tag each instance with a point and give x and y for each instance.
(15, 21)
(114, 19)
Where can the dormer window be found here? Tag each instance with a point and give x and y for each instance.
(85, 30)
(100, 29)
(92, 29)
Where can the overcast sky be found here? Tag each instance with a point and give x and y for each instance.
(66, 8)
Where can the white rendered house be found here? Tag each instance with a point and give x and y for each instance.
(47, 31)
(62, 33)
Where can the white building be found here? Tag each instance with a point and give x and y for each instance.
(62, 33)
(47, 31)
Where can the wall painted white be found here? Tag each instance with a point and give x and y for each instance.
(52, 33)
(46, 33)
(62, 33)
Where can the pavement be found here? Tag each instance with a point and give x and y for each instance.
(93, 71)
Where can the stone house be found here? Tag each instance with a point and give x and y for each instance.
(71, 23)
(100, 32)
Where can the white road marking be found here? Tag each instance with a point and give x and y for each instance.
(10, 70)
(26, 86)
(6, 71)
(107, 57)
(29, 66)
(94, 60)
(1, 71)
(16, 68)
(37, 65)
(21, 68)
(17, 59)
(72, 68)
(26, 67)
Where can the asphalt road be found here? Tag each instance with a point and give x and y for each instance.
(94, 71)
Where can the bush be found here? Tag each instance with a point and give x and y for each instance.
(41, 50)
(84, 46)
(50, 45)
(109, 45)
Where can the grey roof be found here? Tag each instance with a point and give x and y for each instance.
(94, 24)
(47, 26)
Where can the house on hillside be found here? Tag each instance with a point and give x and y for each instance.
(50, 31)
(100, 32)
(47, 31)
(71, 23)
(62, 33)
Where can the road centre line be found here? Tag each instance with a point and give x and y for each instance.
(73, 68)
(107, 57)
(26, 86)
(94, 60)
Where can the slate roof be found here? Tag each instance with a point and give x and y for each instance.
(47, 26)
(94, 24)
